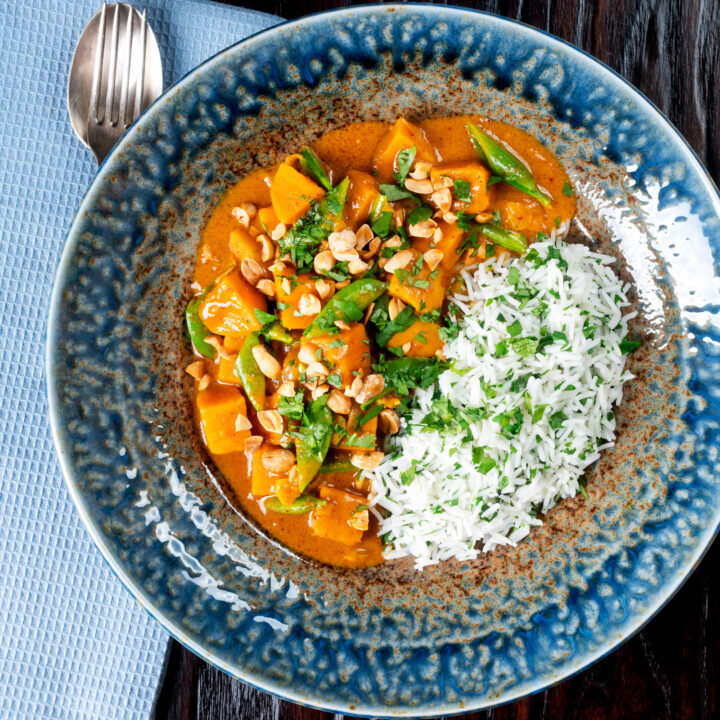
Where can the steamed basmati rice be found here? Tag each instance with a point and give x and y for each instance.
(537, 366)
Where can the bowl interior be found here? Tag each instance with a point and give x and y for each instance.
(387, 640)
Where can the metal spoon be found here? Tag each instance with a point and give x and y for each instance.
(116, 72)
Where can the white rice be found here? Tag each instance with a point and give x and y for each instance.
(436, 501)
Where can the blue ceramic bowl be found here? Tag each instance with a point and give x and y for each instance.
(387, 641)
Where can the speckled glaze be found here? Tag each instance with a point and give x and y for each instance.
(387, 641)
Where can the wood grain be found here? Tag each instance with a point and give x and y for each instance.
(670, 50)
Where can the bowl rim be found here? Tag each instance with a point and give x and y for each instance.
(61, 438)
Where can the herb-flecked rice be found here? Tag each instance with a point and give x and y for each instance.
(537, 358)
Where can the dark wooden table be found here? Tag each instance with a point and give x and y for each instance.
(670, 50)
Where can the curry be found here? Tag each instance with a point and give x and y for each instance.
(321, 301)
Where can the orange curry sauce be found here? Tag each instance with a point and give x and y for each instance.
(366, 152)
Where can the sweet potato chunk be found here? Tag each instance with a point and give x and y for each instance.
(262, 483)
(219, 410)
(476, 174)
(244, 245)
(452, 237)
(229, 308)
(291, 193)
(289, 301)
(400, 136)
(342, 519)
(423, 337)
(422, 288)
(266, 220)
(362, 192)
(345, 353)
(233, 344)
(226, 371)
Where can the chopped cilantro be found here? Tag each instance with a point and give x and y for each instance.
(383, 224)
(483, 464)
(419, 214)
(394, 193)
(515, 328)
(628, 346)
(264, 317)
(292, 407)
(405, 159)
(568, 190)
(462, 190)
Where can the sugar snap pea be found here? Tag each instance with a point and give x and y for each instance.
(347, 305)
(247, 368)
(506, 238)
(379, 205)
(196, 330)
(505, 165)
(276, 331)
(300, 506)
(312, 165)
(312, 440)
(337, 466)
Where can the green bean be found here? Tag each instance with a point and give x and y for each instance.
(195, 327)
(312, 165)
(347, 305)
(303, 504)
(247, 368)
(506, 238)
(312, 440)
(276, 331)
(505, 165)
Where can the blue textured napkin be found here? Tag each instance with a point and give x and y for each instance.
(73, 642)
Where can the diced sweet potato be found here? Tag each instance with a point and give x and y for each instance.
(345, 353)
(400, 136)
(333, 521)
(476, 174)
(289, 302)
(244, 245)
(226, 371)
(291, 193)
(423, 289)
(423, 337)
(266, 219)
(452, 237)
(229, 308)
(361, 194)
(219, 410)
(233, 344)
(262, 483)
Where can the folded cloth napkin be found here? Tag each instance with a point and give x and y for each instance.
(73, 643)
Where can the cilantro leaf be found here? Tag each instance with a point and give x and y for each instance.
(264, 317)
(383, 224)
(419, 214)
(628, 346)
(462, 190)
(394, 193)
(405, 159)
(292, 407)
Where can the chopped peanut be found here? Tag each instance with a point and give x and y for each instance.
(268, 365)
